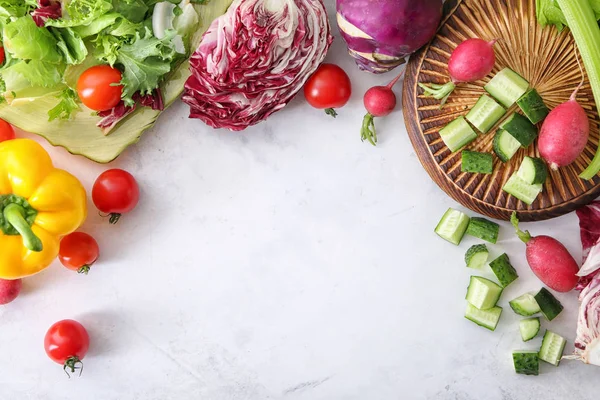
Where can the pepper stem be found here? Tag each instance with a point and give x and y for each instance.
(524, 236)
(15, 215)
(368, 131)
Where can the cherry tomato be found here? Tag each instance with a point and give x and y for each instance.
(115, 192)
(2, 55)
(328, 88)
(98, 87)
(66, 343)
(78, 251)
(6, 131)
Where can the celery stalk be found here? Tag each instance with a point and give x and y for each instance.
(581, 19)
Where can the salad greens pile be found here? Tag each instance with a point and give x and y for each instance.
(48, 44)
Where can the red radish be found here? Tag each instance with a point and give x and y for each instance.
(471, 61)
(379, 102)
(549, 260)
(9, 290)
(565, 133)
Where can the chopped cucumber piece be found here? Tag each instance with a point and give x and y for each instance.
(483, 293)
(552, 349)
(505, 145)
(533, 106)
(525, 305)
(522, 190)
(549, 305)
(521, 129)
(485, 113)
(529, 328)
(503, 270)
(483, 229)
(473, 161)
(526, 362)
(533, 171)
(485, 318)
(476, 257)
(452, 226)
(507, 87)
(457, 134)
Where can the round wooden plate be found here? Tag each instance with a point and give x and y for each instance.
(546, 58)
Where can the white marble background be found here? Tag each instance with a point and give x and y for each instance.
(290, 261)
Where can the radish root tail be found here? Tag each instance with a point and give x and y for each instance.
(574, 95)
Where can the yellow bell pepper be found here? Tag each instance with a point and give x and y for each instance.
(39, 204)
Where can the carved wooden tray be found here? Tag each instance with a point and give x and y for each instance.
(546, 58)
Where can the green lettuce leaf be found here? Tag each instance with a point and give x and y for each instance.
(70, 44)
(81, 12)
(97, 26)
(40, 73)
(11, 9)
(67, 107)
(133, 10)
(548, 12)
(144, 62)
(107, 48)
(25, 40)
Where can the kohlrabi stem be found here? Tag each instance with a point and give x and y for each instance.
(15, 215)
(524, 236)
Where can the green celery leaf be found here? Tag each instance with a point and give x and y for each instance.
(133, 10)
(81, 12)
(67, 107)
(40, 73)
(145, 62)
(70, 44)
(25, 40)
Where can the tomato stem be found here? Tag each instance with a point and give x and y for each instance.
(331, 111)
(15, 215)
(84, 269)
(114, 218)
(368, 131)
(73, 363)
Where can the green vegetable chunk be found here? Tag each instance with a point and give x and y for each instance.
(533, 106)
(521, 129)
(475, 162)
(552, 348)
(476, 257)
(533, 171)
(503, 270)
(529, 328)
(483, 293)
(485, 113)
(452, 226)
(457, 134)
(483, 229)
(486, 318)
(526, 362)
(522, 190)
(505, 145)
(549, 305)
(507, 87)
(525, 305)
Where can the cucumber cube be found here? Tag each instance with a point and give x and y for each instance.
(503, 270)
(526, 362)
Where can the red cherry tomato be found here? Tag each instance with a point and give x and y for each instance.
(328, 88)
(66, 343)
(96, 87)
(6, 131)
(2, 55)
(78, 251)
(115, 192)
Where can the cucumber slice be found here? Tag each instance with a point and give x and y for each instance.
(485, 318)
(476, 257)
(473, 161)
(522, 190)
(452, 226)
(533, 171)
(457, 134)
(505, 145)
(549, 305)
(526, 362)
(525, 305)
(533, 106)
(483, 293)
(503, 270)
(507, 87)
(521, 129)
(485, 113)
(529, 328)
(483, 229)
(552, 349)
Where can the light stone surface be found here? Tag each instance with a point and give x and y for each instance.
(290, 261)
